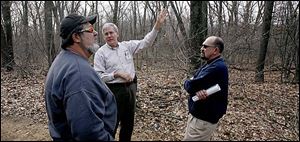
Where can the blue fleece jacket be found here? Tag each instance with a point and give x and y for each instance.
(214, 106)
(79, 105)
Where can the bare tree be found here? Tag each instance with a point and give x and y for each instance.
(48, 32)
(297, 76)
(259, 13)
(239, 22)
(143, 31)
(134, 17)
(220, 19)
(198, 31)
(286, 37)
(55, 10)
(232, 12)
(259, 76)
(34, 19)
(179, 19)
(3, 46)
(61, 9)
(134, 10)
(98, 22)
(8, 52)
(152, 12)
(38, 5)
(115, 18)
(25, 30)
(35, 36)
(247, 13)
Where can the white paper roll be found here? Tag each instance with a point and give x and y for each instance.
(213, 89)
(195, 98)
(209, 91)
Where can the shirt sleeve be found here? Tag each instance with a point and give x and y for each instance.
(84, 119)
(99, 62)
(135, 45)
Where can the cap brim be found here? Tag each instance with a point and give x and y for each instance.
(92, 19)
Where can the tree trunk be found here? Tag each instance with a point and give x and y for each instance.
(62, 9)
(134, 32)
(235, 9)
(38, 6)
(48, 32)
(56, 37)
(259, 76)
(247, 13)
(34, 21)
(220, 19)
(25, 32)
(180, 22)
(297, 54)
(8, 51)
(85, 4)
(72, 7)
(115, 18)
(259, 13)
(97, 24)
(4, 55)
(198, 31)
(211, 17)
(145, 54)
(292, 45)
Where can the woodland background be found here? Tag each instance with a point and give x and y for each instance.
(261, 50)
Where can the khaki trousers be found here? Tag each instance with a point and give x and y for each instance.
(198, 130)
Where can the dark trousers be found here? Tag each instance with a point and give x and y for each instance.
(125, 96)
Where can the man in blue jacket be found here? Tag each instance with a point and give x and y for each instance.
(205, 113)
(79, 105)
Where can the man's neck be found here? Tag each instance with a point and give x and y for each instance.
(214, 58)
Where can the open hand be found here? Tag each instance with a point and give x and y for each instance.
(160, 19)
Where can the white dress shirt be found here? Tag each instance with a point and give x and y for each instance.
(108, 60)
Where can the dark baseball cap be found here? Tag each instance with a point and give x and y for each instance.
(71, 24)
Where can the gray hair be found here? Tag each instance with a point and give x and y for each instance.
(110, 25)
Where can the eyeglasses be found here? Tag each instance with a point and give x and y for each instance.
(90, 30)
(206, 46)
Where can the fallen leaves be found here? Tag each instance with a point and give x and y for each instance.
(256, 111)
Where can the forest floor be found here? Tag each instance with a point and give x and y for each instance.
(256, 111)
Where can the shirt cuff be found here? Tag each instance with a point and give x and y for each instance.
(112, 77)
(155, 30)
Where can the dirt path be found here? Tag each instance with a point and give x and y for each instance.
(23, 129)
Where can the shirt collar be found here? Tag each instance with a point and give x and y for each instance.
(111, 47)
(208, 62)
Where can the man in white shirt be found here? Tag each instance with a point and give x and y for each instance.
(114, 63)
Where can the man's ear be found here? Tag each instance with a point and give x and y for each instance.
(76, 37)
(217, 49)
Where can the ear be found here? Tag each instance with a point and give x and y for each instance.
(76, 37)
(217, 50)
